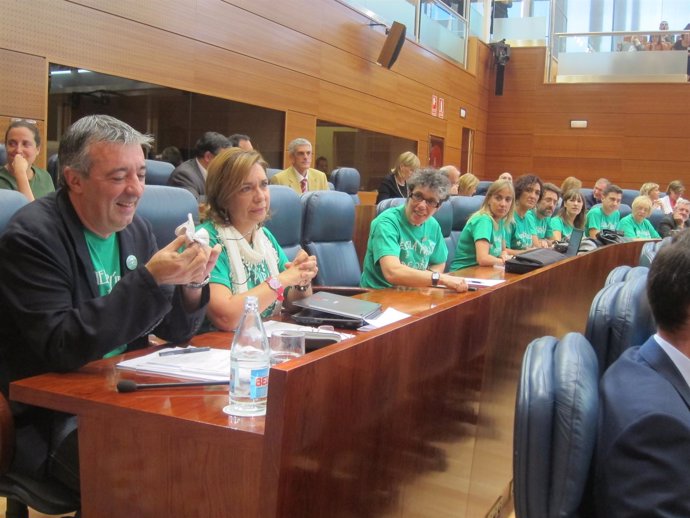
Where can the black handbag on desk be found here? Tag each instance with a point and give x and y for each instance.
(533, 259)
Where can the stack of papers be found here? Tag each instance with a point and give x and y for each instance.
(211, 365)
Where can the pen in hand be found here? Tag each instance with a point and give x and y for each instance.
(186, 350)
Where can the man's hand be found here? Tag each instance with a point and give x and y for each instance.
(194, 264)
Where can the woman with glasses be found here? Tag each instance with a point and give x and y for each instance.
(482, 240)
(23, 143)
(406, 246)
(251, 261)
(571, 215)
(395, 184)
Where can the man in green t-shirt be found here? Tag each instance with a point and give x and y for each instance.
(544, 210)
(406, 246)
(606, 215)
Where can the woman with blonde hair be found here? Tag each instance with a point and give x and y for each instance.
(395, 184)
(651, 190)
(251, 261)
(570, 216)
(467, 185)
(636, 225)
(571, 184)
(482, 241)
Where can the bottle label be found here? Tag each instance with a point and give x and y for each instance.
(258, 385)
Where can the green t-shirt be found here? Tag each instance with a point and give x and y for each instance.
(522, 230)
(480, 226)
(632, 228)
(598, 220)
(41, 184)
(255, 274)
(557, 224)
(105, 257)
(392, 234)
(541, 225)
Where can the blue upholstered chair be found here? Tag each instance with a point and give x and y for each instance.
(555, 428)
(285, 222)
(328, 220)
(158, 172)
(166, 208)
(624, 209)
(346, 179)
(388, 203)
(624, 272)
(655, 218)
(53, 168)
(3, 155)
(619, 317)
(650, 249)
(629, 195)
(463, 208)
(271, 172)
(586, 193)
(10, 202)
(444, 216)
(482, 187)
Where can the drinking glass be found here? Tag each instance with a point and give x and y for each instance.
(286, 345)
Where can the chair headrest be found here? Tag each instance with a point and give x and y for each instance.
(10, 202)
(327, 216)
(346, 179)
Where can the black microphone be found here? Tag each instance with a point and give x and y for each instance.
(131, 385)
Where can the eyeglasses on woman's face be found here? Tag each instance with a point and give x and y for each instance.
(417, 197)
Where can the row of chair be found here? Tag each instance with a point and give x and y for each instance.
(557, 402)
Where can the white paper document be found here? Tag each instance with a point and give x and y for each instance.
(211, 365)
(483, 283)
(274, 325)
(389, 316)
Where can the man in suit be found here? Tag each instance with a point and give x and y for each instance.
(300, 177)
(191, 175)
(82, 279)
(597, 193)
(676, 221)
(643, 447)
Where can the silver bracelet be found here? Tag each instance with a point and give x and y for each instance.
(199, 285)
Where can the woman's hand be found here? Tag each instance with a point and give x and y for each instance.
(300, 271)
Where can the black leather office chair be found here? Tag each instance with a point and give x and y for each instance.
(620, 317)
(285, 222)
(166, 208)
(328, 220)
(158, 172)
(347, 179)
(555, 427)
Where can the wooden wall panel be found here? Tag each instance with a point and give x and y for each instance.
(634, 132)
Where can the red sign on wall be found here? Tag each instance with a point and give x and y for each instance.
(434, 105)
(441, 107)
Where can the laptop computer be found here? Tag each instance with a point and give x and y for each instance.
(336, 310)
(574, 242)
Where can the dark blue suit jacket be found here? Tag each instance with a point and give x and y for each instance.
(643, 449)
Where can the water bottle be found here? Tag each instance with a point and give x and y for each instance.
(249, 364)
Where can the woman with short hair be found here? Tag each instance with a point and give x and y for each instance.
(251, 261)
(651, 190)
(674, 191)
(467, 185)
(636, 225)
(481, 241)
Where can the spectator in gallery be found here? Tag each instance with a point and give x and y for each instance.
(506, 176)
(595, 197)
(395, 184)
(606, 215)
(300, 176)
(191, 175)
(453, 176)
(467, 185)
(570, 216)
(544, 210)
(571, 184)
(674, 191)
(171, 155)
(678, 220)
(636, 225)
(241, 141)
(23, 144)
(651, 190)
(322, 164)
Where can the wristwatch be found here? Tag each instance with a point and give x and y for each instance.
(276, 286)
(435, 277)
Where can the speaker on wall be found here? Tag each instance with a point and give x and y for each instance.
(391, 47)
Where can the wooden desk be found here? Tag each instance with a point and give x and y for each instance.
(412, 420)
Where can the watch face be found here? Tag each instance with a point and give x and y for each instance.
(274, 283)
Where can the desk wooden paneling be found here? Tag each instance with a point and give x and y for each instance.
(412, 420)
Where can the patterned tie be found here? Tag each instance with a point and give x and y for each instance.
(303, 185)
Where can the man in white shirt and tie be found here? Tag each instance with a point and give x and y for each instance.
(300, 177)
